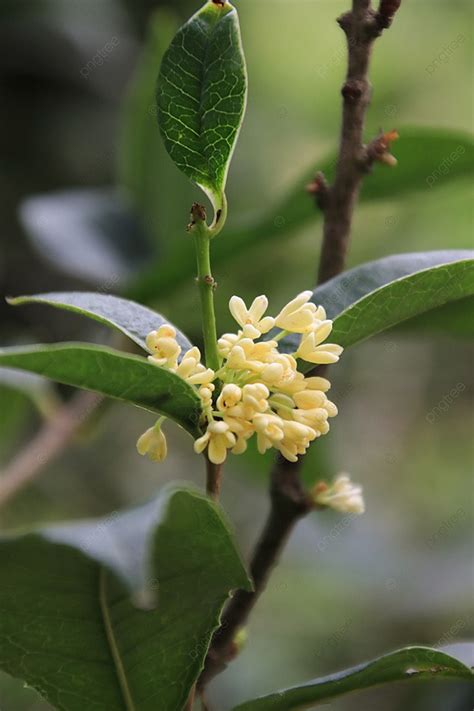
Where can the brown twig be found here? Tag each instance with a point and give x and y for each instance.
(213, 479)
(289, 500)
(362, 25)
(48, 444)
(289, 503)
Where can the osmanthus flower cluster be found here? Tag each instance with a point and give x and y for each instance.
(257, 390)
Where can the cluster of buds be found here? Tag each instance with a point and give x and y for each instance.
(257, 390)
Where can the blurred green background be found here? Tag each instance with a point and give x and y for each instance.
(347, 588)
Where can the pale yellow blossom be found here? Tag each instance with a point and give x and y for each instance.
(269, 429)
(217, 440)
(257, 390)
(247, 355)
(229, 397)
(252, 320)
(153, 444)
(311, 351)
(192, 370)
(298, 315)
(256, 396)
(226, 343)
(317, 383)
(296, 440)
(342, 495)
(164, 347)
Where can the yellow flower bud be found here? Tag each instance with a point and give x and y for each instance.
(229, 397)
(317, 383)
(153, 444)
(309, 399)
(164, 346)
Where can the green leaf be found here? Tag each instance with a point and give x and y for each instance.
(90, 234)
(405, 664)
(379, 295)
(404, 298)
(68, 623)
(201, 96)
(453, 319)
(114, 374)
(421, 152)
(132, 319)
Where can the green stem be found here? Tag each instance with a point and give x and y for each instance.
(206, 284)
(280, 335)
(158, 423)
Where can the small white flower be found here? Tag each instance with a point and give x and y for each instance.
(311, 351)
(298, 315)
(217, 439)
(256, 396)
(226, 343)
(230, 395)
(342, 495)
(164, 347)
(153, 444)
(269, 430)
(252, 320)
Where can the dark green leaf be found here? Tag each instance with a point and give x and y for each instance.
(379, 295)
(343, 291)
(201, 96)
(87, 233)
(405, 664)
(132, 319)
(404, 298)
(421, 152)
(114, 374)
(68, 625)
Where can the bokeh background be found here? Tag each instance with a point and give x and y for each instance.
(72, 82)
